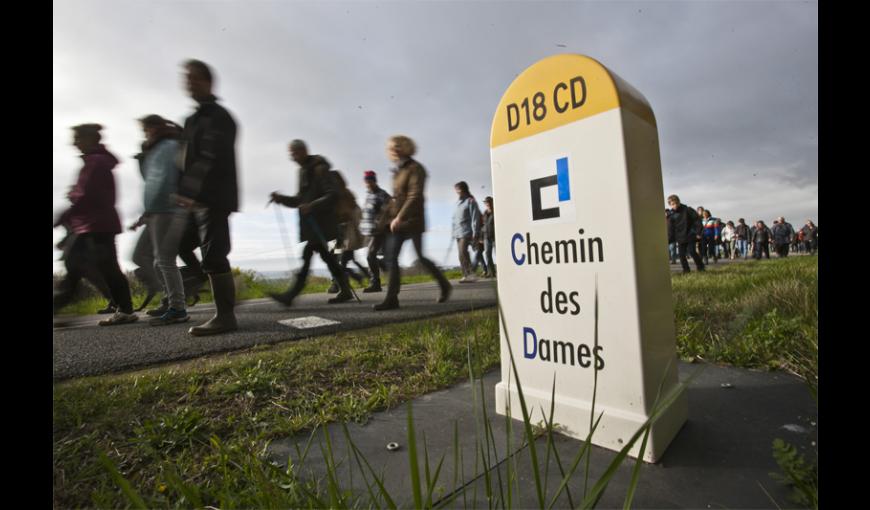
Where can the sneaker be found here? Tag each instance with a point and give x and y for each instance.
(333, 289)
(119, 318)
(467, 279)
(172, 316)
(372, 288)
(158, 312)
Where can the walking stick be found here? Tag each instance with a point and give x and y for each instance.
(284, 237)
(446, 255)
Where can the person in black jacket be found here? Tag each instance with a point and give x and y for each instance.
(783, 235)
(316, 201)
(208, 188)
(684, 228)
(762, 237)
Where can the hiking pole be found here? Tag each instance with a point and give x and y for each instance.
(284, 237)
(322, 239)
(449, 247)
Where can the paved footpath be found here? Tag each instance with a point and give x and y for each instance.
(81, 347)
(721, 458)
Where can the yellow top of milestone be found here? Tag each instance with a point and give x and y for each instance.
(559, 90)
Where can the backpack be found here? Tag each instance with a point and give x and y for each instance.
(345, 202)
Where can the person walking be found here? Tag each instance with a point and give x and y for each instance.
(316, 200)
(93, 219)
(374, 227)
(783, 235)
(741, 236)
(761, 239)
(488, 234)
(684, 227)
(209, 189)
(407, 221)
(466, 221)
(710, 237)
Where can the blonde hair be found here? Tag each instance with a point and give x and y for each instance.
(404, 146)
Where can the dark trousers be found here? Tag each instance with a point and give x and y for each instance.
(759, 248)
(478, 258)
(97, 250)
(214, 239)
(376, 242)
(394, 248)
(335, 270)
(782, 250)
(189, 243)
(708, 248)
(487, 246)
(690, 247)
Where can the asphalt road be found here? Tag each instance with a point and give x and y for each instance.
(81, 347)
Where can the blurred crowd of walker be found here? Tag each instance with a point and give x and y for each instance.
(696, 233)
(190, 190)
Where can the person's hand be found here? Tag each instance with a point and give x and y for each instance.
(185, 202)
(138, 223)
(394, 225)
(273, 197)
(304, 208)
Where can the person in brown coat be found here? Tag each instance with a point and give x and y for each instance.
(406, 214)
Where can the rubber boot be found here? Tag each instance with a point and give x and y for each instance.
(224, 292)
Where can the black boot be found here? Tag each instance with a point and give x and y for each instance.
(374, 286)
(391, 303)
(224, 291)
(344, 294)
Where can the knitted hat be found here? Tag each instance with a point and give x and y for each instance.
(370, 175)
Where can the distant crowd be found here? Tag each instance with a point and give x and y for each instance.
(696, 233)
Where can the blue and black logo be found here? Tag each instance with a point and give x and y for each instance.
(561, 180)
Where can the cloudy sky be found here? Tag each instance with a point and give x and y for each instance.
(734, 86)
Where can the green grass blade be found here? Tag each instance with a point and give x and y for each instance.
(336, 500)
(658, 408)
(412, 458)
(526, 419)
(577, 459)
(122, 482)
(372, 498)
(635, 474)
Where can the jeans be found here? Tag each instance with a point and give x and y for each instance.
(761, 248)
(742, 246)
(672, 252)
(167, 230)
